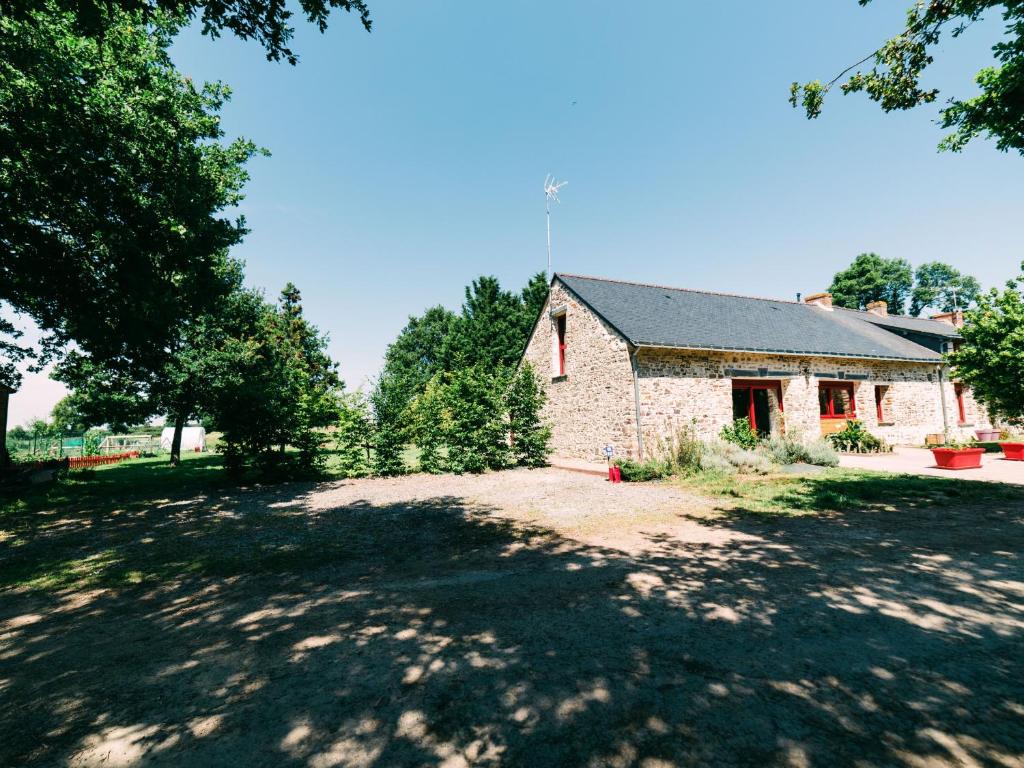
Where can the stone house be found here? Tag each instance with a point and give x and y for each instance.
(626, 364)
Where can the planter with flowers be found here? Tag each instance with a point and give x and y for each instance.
(955, 455)
(1013, 448)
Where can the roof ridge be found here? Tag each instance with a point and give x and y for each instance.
(897, 316)
(674, 288)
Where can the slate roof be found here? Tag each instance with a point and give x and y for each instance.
(904, 323)
(651, 315)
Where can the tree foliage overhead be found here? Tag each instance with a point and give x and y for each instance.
(991, 357)
(894, 78)
(268, 22)
(873, 278)
(113, 183)
(942, 288)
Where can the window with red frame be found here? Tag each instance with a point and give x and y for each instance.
(961, 410)
(560, 325)
(835, 401)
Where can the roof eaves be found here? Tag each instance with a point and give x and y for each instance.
(787, 352)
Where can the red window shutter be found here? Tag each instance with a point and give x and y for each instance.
(959, 389)
(561, 345)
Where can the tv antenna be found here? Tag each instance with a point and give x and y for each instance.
(952, 289)
(551, 188)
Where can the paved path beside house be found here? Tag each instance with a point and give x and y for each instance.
(919, 461)
(579, 465)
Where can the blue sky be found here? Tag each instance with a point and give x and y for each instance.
(410, 160)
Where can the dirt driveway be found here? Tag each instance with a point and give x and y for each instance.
(528, 618)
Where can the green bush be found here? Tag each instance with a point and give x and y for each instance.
(91, 443)
(430, 425)
(790, 450)
(740, 433)
(682, 450)
(389, 427)
(853, 438)
(528, 436)
(478, 437)
(353, 434)
(720, 454)
(642, 471)
(821, 453)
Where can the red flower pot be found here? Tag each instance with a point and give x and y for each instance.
(958, 458)
(1013, 451)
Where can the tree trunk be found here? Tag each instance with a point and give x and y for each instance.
(5, 457)
(179, 425)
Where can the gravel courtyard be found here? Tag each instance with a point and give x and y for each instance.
(536, 618)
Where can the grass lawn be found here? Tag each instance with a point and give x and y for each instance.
(840, 489)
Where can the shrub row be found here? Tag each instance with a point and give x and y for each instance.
(738, 450)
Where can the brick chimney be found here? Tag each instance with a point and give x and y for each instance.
(879, 308)
(823, 300)
(956, 319)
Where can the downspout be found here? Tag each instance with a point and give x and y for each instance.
(942, 397)
(636, 402)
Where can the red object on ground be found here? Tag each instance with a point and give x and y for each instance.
(614, 474)
(77, 462)
(618, 474)
(1013, 451)
(958, 458)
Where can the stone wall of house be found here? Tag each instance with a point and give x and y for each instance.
(592, 405)
(695, 388)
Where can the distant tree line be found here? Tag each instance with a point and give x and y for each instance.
(933, 286)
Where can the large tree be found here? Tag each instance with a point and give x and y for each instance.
(259, 372)
(420, 351)
(272, 385)
(491, 330)
(494, 325)
(872, 278)
(894, 78)
(991, 357)
(114, 184)
(268, 22)
(941, 287)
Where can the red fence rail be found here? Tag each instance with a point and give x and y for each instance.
(77, 462)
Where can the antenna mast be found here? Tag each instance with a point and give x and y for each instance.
(551, 188)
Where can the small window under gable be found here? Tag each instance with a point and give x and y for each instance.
(558, 346)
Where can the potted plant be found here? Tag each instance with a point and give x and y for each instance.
(957, 455)
(987, 435)
(1013, 447)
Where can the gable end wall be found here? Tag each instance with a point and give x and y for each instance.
(593, 405)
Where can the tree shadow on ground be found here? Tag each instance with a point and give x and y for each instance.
(436, 632)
